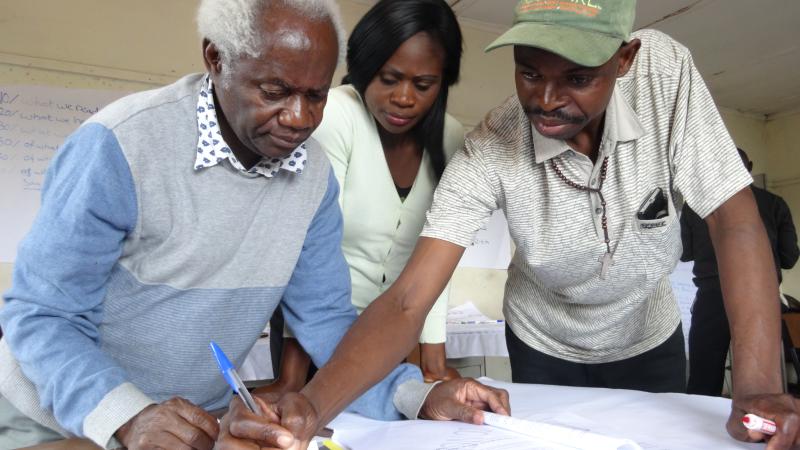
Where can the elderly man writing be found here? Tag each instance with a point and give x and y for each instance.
(185, 214)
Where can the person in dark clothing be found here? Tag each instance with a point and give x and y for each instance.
(709, 336)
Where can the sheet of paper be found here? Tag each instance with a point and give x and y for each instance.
(435, 436)
(467, 313)
(569, 436)
(491, 248)
(654, 421)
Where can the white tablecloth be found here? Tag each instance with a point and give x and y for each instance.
(258, 364)
(481, 339)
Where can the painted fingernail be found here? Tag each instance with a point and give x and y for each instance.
(285, 440)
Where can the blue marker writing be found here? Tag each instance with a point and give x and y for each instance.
(233, 378)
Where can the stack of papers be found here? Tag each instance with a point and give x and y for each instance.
(468, 314)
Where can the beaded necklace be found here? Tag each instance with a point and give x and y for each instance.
(607, 259)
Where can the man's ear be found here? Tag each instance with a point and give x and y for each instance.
(627, 53)
(211, 58)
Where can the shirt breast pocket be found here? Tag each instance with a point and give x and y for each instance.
(658, 234)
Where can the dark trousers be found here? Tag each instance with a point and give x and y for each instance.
(662, 369)
(276, 341)
(709, 339)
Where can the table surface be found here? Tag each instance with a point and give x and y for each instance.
(654, 421)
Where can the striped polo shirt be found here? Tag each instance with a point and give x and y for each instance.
(662, 131)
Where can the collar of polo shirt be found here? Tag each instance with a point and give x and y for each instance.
(622, 125)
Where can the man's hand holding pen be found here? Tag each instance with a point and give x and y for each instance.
(292, 421)
(288, 424)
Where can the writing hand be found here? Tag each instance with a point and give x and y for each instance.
(276, 427)
(174, 424)
(272, 392)
(780, 408)
(300, 417)
(464, 399)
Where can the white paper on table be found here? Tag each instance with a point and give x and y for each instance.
(454, 435)
(559, 435)
(467, 314)
(654, 421)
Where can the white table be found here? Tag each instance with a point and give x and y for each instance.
(477, 350)
(258, 364)
(480, 339)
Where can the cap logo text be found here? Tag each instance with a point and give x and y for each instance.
(583, 7)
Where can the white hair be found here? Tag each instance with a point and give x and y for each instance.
(231, 24)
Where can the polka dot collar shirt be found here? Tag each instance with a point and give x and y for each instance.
(212, 148)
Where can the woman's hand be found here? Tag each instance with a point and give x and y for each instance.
(434, 365)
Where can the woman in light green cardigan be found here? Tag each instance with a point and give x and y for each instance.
(388, 137)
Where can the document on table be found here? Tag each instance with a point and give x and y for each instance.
(525, 435)
(468, 314)
(566, 436)
(653, 421)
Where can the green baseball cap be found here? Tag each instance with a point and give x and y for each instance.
(586, 32)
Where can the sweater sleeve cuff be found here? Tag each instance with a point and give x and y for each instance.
(114, 410)
(410, 397)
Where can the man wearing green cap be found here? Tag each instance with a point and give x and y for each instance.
(609, 134)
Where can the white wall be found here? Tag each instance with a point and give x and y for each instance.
(749, 132)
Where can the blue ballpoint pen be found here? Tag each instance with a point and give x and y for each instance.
(233, 378)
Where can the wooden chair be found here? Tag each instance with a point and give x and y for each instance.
(791, 346)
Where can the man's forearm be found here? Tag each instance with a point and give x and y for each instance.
(378, 341)
(750, 291)
(386, 331)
